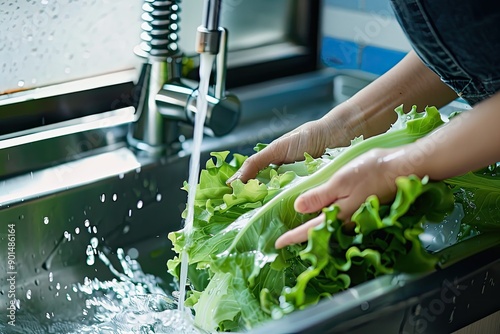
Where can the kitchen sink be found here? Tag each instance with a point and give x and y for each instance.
(105, 215)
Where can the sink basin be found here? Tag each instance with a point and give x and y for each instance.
(107, 213)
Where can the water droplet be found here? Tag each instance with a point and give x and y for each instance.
(67, 235)
(77, 230)
(130, 212)
(138, 170)
(37, 282)
(103, 198)
(28, 294)
(94, 242)
(86, 223)
(158, 197)
(68, 297)
(121, 176)
(94, 229)
(67, 70)
(126, 229)
(21, 217)
(45, 220)
(47, 315)
(115, 197)
(133, 253)
(140, 204)
(90, 255)
(20, 83)
(51, 276)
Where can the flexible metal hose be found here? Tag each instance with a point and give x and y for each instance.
(160, 28)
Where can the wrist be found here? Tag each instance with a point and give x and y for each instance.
(342, 124)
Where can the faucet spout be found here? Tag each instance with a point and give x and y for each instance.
(166, 98)
(208, 37)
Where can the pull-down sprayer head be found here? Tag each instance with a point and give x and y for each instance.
(209, 34)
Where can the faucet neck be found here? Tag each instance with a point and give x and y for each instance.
(165, 98)
(208, 36)
(211, 14)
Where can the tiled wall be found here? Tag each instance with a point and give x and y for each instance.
(361, 35)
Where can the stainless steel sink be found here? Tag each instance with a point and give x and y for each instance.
(110, 199)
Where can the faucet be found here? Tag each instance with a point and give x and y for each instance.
(165, 98)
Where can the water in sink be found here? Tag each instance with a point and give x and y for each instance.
(132, 302)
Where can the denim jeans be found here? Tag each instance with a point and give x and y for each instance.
(457, 39)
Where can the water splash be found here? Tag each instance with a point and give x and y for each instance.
(131, 303)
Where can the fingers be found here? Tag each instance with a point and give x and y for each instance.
(347, 206)
(317, 198)
(250, 167)
(271, 154)
(298, 234)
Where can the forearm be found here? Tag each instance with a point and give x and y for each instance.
(371, 110)
(468, 142)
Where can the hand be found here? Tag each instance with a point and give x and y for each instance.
(312, 137)
(373, 173)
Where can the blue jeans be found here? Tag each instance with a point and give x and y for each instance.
(457, 39)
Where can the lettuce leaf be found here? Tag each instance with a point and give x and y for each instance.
(239, 280)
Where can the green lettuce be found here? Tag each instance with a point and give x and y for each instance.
(239, 280)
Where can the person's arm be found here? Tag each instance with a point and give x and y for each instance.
(371, 110)
(367, 113)
(468, 142)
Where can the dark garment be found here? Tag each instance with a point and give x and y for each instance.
(457, 39)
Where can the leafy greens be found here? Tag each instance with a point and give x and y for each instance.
(239, 280)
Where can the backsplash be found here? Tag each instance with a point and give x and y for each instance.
(361, 35)
(44, 42)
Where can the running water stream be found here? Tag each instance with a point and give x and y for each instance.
(206, 63)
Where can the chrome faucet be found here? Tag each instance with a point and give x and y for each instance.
(165, 98)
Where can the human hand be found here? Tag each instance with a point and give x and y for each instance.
(373, 173)
(311, 137)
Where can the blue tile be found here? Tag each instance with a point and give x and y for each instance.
(347, 4)
(381, 7)
(340, 53)
(379, 60)
(376, 6)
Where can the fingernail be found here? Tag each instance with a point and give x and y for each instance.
(278, 244)
(235, 176)
(300, 205)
